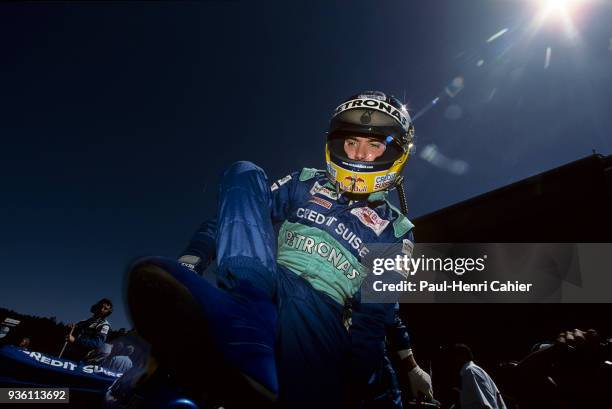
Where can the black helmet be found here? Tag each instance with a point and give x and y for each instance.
(372, 114)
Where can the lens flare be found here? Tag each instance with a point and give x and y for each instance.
(557, 9)
(558, 13)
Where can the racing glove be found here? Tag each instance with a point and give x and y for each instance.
(420, 383)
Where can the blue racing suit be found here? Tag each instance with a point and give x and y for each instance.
(304, 246)
(383, 390)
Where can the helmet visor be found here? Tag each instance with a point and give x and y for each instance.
(369, 116)
(337, 145)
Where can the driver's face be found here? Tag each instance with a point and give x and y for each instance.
(363, 149)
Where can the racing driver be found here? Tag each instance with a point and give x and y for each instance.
(290, 257)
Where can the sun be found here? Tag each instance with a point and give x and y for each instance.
(557, 5)
(558, 14)
(557, 8)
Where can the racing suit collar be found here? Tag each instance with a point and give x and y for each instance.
(378, 196)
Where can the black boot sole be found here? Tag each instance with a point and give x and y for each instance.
(168, 317)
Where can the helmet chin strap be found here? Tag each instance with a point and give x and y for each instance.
(401, 194)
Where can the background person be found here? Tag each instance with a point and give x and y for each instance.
(121, 363)
(90, 334)
(24, 343)
(99, 355)
(478, 390)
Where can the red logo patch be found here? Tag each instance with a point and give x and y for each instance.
(359, 184)
(321, 202)
(370, 218)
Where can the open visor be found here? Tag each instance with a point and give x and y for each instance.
(335, 144)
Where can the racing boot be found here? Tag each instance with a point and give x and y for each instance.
(207, 336)
(146, 388)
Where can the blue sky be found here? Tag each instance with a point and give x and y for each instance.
(116, 119)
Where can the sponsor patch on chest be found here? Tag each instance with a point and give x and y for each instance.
(322, 190)
(320, 202)
(370, 218)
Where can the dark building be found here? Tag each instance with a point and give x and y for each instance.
(569, 204)
(572, 203)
